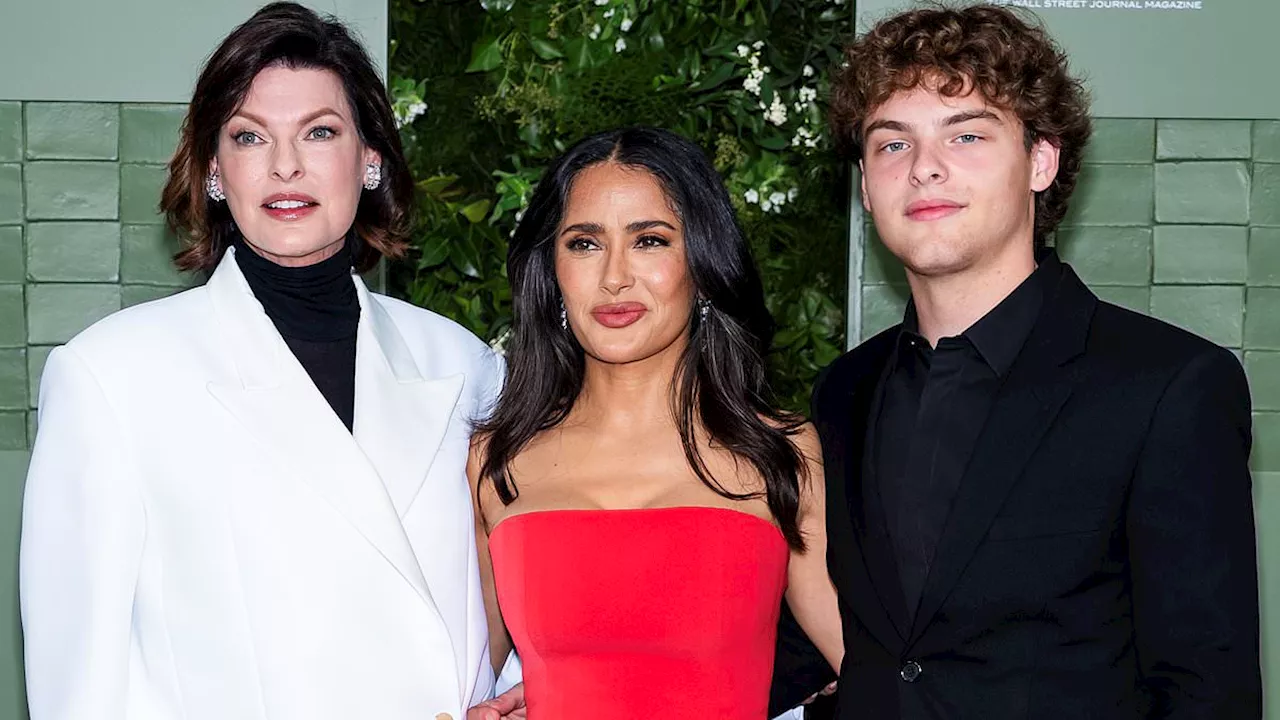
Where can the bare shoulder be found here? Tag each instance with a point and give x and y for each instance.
(806, 441)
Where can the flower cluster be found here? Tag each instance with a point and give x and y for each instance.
(773, 201)
(624, 25)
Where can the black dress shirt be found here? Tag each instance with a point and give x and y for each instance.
(933, 407)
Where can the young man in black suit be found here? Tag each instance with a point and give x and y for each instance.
(1038, 503)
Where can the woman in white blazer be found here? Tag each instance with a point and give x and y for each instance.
(248, 501)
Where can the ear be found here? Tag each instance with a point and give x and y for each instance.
(213, 166)
(1044, 164)
(371, 157)
(862, 186)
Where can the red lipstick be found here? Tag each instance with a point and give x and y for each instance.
(618, 315)
(290, 206)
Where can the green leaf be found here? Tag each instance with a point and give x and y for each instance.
(435, 186)
(435, 250)
(716, 78)
(773, 140)
(579, 53)
(486, 55)
(545, 50)
(465, 256)
(476, 211)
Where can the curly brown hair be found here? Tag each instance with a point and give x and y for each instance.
(1012, 63)
(285, 33)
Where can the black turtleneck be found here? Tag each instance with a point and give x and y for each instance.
(316, 311)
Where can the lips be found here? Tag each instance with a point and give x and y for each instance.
(289, 206)
(925, 210)
(618, 315)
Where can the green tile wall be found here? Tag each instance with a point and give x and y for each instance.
(80, 234)
(1179, 219)
(80, 237)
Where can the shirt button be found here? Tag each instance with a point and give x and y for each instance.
(911, 671)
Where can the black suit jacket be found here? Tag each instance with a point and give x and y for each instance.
(1099, 560)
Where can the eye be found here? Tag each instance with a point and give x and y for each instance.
(580, 244)
(322, 132)
(652, 241)
(896, 146)
(244, 137)
(967, 138)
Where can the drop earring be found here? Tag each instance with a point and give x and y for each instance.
(213, 187)
(564, 317)
(372, 176)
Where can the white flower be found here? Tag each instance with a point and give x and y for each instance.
(406, 115)
(620, 45)
(777, 112)
(766, 69)
(743, 51)
(778, 199)
(766, 206)
(757, 44)
(808, 71)
(595, 31)
(752, 84)
(754, 60)
(609, 13)
(626, 25)
(751, 196)
(601, 3)
(808, 94)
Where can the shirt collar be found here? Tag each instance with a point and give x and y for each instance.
(999, 335)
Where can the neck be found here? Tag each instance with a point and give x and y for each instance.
(628, 395)
(947, 305)
(291, 261)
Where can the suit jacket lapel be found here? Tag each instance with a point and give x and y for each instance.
(278, 405)
(401, 417)
(869, 571)
(1037, 387)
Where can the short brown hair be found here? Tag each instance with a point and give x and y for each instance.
(1013, 64)
(288, 34)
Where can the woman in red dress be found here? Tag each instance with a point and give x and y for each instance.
(642, 509)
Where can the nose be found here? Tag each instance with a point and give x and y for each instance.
(286, 162)
(617, 270)
(927, 167)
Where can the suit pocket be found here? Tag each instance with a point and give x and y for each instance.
(1019, 527)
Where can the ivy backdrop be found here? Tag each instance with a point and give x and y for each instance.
(487, 92)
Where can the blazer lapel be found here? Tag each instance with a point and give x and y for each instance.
(1038, 385)
(872, 575)
(401, 417)
(278, 405)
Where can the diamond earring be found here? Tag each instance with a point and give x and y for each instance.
(372, 176)
(564, 317)
(704, 308)
(213, 188)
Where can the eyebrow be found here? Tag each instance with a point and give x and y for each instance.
(633, 227)
(961, 117)
(308, 119)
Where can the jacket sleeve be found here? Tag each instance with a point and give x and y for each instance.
(1192, 554)
(83, 528)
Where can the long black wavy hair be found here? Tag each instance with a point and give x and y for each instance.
(720, 381)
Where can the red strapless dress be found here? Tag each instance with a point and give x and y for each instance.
(659, 613)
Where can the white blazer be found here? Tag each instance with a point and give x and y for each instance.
(203, 539)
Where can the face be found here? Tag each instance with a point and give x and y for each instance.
(292, 165)
(950, 182)
(620, 262)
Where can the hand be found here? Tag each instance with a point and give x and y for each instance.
(823, 692)
(509, 704)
